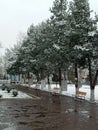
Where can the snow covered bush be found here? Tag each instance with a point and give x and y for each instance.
(8, 89)
(15, 93)
(3, 87)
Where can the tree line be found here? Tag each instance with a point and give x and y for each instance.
(68, 40)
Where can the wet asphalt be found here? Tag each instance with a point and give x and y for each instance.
(47, 111)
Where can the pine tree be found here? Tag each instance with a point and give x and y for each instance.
(82, 26)
(60, 27)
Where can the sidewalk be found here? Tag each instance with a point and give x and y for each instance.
(48, 112)
(63, 112)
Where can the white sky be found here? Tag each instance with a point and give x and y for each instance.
(17, 15)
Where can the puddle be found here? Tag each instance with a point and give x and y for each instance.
(2, 123)
(10, 128)
(69, 110)
(84, 112)
(7, 126)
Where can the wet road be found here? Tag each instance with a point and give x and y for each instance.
(49, 112)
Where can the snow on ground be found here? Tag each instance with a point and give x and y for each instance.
(84, 88)
(6, 95)
(71, 90)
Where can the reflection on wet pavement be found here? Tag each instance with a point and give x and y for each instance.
(10, 128)
(51, 112)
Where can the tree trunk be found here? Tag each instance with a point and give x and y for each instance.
(49, 86)
(24, 78)
(19, 78)
(37, 81)
(64, 82)
(90, 73)
(37, 78)
(92, 96)
(15, 79)
(43, 84)
(95, 79)
(64, 85)
(76, 78)
(60, 78)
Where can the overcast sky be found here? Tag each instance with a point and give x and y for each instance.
(17, 15)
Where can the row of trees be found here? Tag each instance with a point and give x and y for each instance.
(67, 39)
